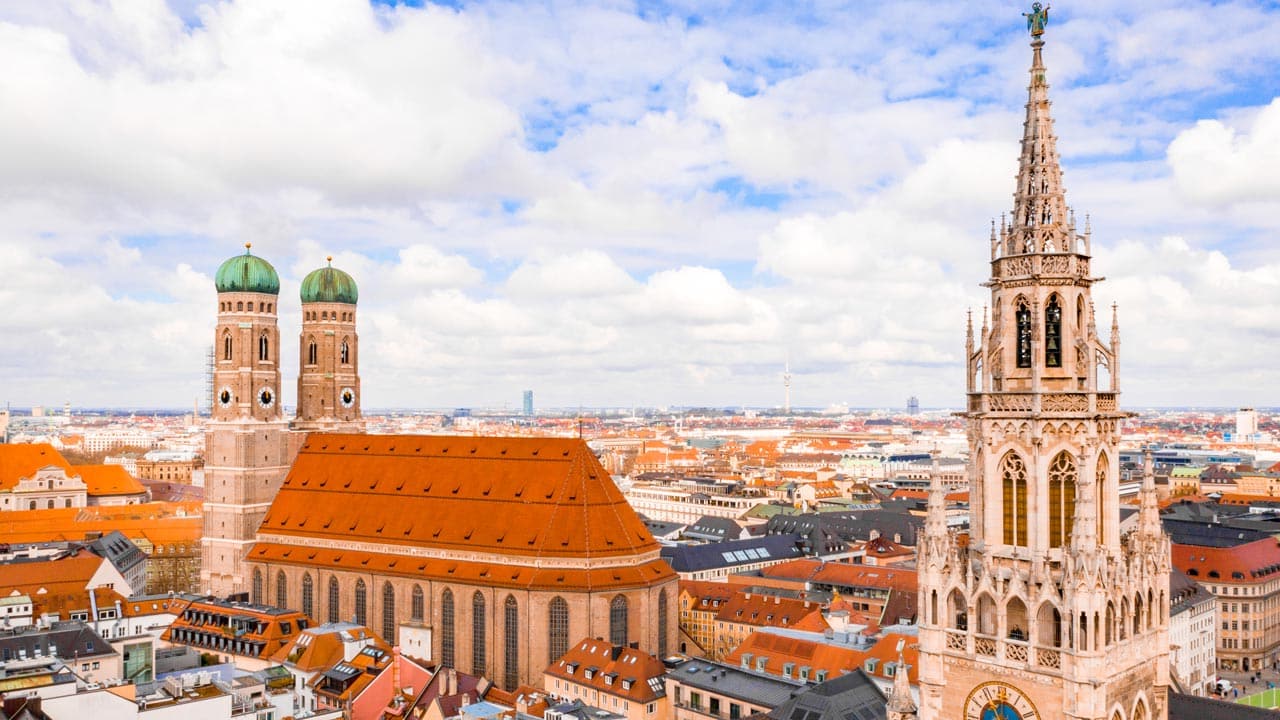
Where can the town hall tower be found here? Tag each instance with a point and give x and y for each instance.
(1047, 611)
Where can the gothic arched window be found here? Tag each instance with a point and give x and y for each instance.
(335, 608)
(1053, 334)
(1100, 496)
(257, 586)
(361, 597)
(312, 352)
(308, 596)
(557, 629)
(446, 629)
(662, 624)
(264, 348)
(345, 352)
(511, 646)
(226, 346)
(415, 607)
(478, 635)
(388, 613)
(618, 620)
(1013, 477)
(282, 590)
(1023, 316)
(1062, 498)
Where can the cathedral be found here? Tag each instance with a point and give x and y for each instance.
(1045, 610)
(491, 555)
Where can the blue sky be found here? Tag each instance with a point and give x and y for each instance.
(618, 203)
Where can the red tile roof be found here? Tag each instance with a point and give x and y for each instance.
(614, 670)
(536, 497)
(761, 610)
(1250, 562)
(20, 460)
(101, 480)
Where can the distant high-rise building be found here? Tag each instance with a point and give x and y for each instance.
(528, 403)
(1246, 423)
(913, 405)
(786, 386)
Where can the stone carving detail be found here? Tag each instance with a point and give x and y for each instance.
(955, 641)
(1106, 402)
(1060, 264)
(1017, 653)
(985, 646)
(1065, 403)
(1009, 403)
(1016, 266)
(1048, 658)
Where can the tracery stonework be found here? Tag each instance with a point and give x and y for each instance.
(1046, 608)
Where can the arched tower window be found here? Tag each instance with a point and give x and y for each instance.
(557, 629)
(1053, 334)
(1013, 477)
(264, 348)
(446, 629)
(308, 596)
(618, 620)
(662, 624)
(312, 352)
(415, 606)
(257, 586)
(226, 346)
(335, 608)
(388, 613)
(361, 598)
(478, 634)
(345, 353)
(1023, 316)
(282, 590)
(511, 645)
(1062, 498)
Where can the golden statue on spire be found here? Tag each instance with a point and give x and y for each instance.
(1037, 19)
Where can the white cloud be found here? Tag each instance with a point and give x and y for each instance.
(1218, 164)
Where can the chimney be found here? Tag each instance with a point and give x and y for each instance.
(466, 700)
(522, 705)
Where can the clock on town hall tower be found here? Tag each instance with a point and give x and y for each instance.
(1046, 610)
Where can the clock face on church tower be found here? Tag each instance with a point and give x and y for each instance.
(998, 701)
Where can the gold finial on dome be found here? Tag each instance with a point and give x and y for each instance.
(246, 247)
(329, 258)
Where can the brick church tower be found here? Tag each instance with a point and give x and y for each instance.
(328, 366)
(1047, 611)
(247, 441)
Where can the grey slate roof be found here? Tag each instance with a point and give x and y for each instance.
(730, 681)
(731, 553)
(62, 640)
(118, 550)
(852, 696)
(713, 529)
(1185, 593)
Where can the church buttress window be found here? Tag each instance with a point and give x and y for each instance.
(1013, 472)
(1023, 316)
(1053, 334)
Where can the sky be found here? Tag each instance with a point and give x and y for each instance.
(626, 203)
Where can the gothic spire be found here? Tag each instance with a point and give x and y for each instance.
(1039, 222)
(1149, 512)
(935, 523)
(901, 705)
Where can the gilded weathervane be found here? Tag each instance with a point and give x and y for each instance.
(1037, 19)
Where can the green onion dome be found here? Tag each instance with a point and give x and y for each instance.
(247, 273)
(329, 285)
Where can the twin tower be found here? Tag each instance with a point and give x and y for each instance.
(249, 445)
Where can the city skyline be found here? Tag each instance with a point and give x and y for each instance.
(616, 227)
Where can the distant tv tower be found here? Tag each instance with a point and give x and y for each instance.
(786, 386)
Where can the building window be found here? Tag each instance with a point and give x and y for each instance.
(311, 353)
(662, 624)
(257, 586)
(345, 352)
(388, 613)
(335, 608)
(361, 617)
(264, 348)
(511, 651)
(557, 629)
(226, 347)
(1013, 473)
(478, 635)
(618, 620)
(282, 589)
(415, 607)
(1053, 334)
(1062, 499)
(446, 629)
(1023, 316)
(308, 596)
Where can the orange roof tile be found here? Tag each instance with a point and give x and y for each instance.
(760, 610)
(534, 497)
(21, 460)
(134, 521)
(614, 670)
(101, 480)
(1251, 562)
